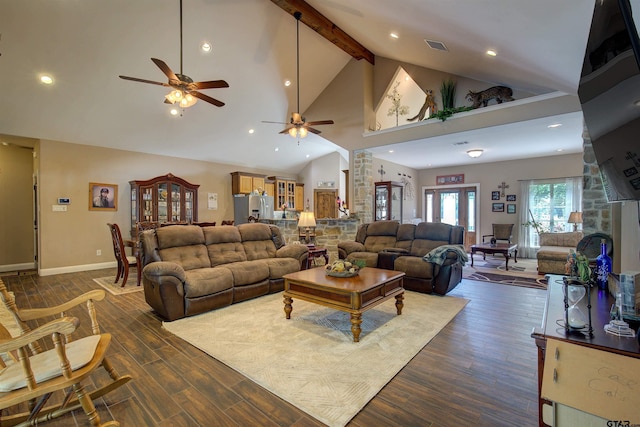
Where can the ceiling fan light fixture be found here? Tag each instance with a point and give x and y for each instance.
(302, 132)
(188, 100)
(475, 153)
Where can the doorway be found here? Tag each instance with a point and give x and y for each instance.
(455, 206)
(324, 203)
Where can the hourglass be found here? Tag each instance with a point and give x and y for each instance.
(574, 293)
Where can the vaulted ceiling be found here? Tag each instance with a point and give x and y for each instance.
(86, 45)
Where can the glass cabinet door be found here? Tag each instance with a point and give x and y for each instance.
(163, 194)
(175, 202)
(396, 203)
(188, 205)
(147, 207)
(382, 199)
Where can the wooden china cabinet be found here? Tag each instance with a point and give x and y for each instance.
(163, 199)
(388, 200)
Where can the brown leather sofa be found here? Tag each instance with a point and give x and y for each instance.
(190, 269)
(404, 247)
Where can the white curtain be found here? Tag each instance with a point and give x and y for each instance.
(528, 239)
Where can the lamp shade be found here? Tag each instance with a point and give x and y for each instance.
(575, 218)
(307, 220)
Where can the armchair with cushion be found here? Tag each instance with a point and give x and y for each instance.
(502, 232)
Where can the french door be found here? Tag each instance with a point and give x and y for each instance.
(455, 206)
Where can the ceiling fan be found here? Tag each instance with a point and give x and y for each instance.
(185, 89)
(298, 126)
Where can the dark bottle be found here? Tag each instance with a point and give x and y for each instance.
(603, 267)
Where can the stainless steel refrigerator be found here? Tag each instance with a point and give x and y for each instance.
(260, 207)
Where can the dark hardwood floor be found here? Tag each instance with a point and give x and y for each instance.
(480, 370)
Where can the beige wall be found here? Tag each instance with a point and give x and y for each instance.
(490, 175)
(69, 240)
(16, 208)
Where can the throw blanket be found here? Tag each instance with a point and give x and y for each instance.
(439, 254)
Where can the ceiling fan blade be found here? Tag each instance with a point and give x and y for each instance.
(312, 130)
(320, 122)
(206, 98)
(135, 79)
(285, 130)
(165, 69)
(279, 123)
(214, 84)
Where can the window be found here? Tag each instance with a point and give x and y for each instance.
(549, 203)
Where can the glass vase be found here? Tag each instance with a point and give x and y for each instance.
(603, 267)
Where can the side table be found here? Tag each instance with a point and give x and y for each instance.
(316, 253)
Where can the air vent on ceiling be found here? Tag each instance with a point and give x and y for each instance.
(461, 143)
(433, 44)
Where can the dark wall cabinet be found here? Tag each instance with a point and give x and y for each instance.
(163, 199)
(388, 201)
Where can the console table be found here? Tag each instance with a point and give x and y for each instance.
(585, 381)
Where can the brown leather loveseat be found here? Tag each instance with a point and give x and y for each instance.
(430, 254)
(190, 269)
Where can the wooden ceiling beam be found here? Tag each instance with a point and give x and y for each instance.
(327, 29)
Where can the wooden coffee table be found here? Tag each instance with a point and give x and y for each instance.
(505, 249)
(354, 295)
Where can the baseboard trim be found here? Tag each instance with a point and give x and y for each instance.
(76, 268)
(17, 267)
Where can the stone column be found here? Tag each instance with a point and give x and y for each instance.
(596, 211)
(363, 185)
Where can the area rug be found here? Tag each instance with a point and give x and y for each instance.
(523, 273)
(115, 288)
(311, 360)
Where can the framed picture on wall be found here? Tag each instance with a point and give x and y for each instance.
(450, 179)
(495, 195)
(511, 197)
(497, 207)
(511, 208)
(103, 197)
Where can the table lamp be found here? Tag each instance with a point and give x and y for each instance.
(575, 218)
(306, 221)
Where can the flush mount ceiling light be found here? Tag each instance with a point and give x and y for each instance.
(475, 153)
(491, 52)
(46, 79)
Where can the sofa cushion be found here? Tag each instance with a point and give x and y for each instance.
(179, 235)
(224, 245)
(370, 258)
(248, 272)
(569, 239)
(257, 240)
(378, 243)
(278, 267)
(188, 257)
(406, 234)
(207, 281)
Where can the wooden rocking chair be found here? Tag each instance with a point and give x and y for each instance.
(36, 372)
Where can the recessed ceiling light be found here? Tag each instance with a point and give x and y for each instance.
(391, 151)
(308, 155)
(555, 125)
(277, 149)
(287, 83)
(394, 36)
(173, 111)
(559, 150)
(206, 47)
(46, 79)
(491, 52)
(251, 131)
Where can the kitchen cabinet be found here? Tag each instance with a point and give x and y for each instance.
(163, 199)
(246, 183)
(299, 197)
(387, 204)
(285, 193)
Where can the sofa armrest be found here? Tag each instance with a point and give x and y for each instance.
(293, 251)
(345, 248)
(156, 270)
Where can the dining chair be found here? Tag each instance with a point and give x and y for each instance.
(228, 222)
(49, 359)
(124, 261)
(501, 232)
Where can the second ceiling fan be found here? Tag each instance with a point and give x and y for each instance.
(298, 127)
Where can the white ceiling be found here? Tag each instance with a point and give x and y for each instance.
(85, 45)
